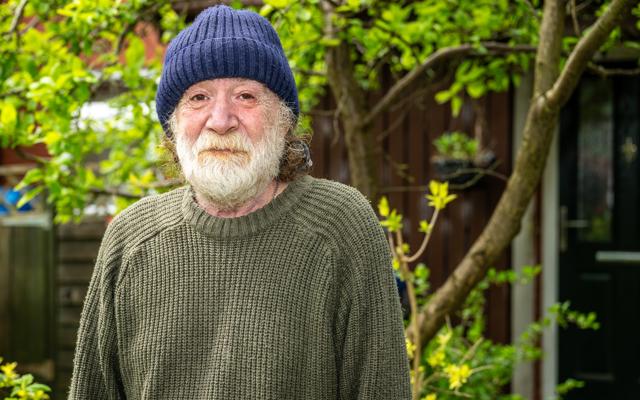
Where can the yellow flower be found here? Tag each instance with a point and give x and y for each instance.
(22, 394)
(430, 396)
(436, 358)
(410, 347)
(8, 370)
(457, 375)
(439, 196)
(444, 338)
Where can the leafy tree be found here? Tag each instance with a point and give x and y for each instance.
(58, 55)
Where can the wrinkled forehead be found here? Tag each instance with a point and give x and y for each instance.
(230, 84)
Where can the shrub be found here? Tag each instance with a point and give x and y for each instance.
(14, 386)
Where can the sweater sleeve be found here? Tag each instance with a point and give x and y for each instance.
(96, 373)
(370, 342)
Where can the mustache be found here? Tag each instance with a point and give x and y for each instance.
(229, 142)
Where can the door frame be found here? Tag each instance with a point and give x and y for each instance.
(523, 252)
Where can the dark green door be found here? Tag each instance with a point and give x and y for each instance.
(599, 229)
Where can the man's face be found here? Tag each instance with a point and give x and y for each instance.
(229, 138)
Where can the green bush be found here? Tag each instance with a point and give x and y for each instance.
(14, 386)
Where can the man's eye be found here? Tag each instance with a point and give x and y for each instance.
(247, 96)
(198, 97)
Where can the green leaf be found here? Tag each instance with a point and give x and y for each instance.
(8, 117)
(456, 105)
(279, 3)
(32, 176)
(443, 96)
(27, 197)
(51, 138)
(476, 89)
(266, 10)
(330, 42)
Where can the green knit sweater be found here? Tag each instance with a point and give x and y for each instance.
(296, 300)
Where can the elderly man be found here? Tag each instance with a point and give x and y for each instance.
(254, 280)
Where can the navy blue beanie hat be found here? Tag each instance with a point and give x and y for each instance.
(224, 43)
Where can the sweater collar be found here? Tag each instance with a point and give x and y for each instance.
(210, 225)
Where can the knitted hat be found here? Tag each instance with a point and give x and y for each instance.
(224, 43)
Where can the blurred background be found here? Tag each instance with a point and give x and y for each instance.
(394, 94)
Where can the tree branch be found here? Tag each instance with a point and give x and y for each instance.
(607, 72)
(558, 95)
(574, 17)
(16, 18)
(440, 56)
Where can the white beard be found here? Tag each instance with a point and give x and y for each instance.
(231, 180)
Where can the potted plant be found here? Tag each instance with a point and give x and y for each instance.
(459, 159)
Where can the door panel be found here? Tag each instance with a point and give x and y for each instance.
(600, 236)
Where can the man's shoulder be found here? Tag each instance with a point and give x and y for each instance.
(338, 206)
(337, 196)
(152, 209)
(144, 218)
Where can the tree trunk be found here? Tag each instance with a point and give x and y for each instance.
(350, 101)
(550, 94)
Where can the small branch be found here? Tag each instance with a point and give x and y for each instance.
(336, 121)
(404, 109)
(308, 72)
(462, 171)
(395, 189)
(451, 392)
(122, 36)
(392, 245)
(607, 72)
(471, 351)
(427, 236)
(574, 17)
(34, 21)
(16, 18)
(587, 46)
(440, 56)
(480, 171)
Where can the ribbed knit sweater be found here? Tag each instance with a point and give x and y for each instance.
(295, 300)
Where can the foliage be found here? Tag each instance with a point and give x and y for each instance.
(14, 386)
(59, 57)
(456, 145)
(460, 362)
(64, 55)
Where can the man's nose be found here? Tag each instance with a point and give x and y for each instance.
(222, 117)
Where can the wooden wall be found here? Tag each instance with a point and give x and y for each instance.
(408, 135)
